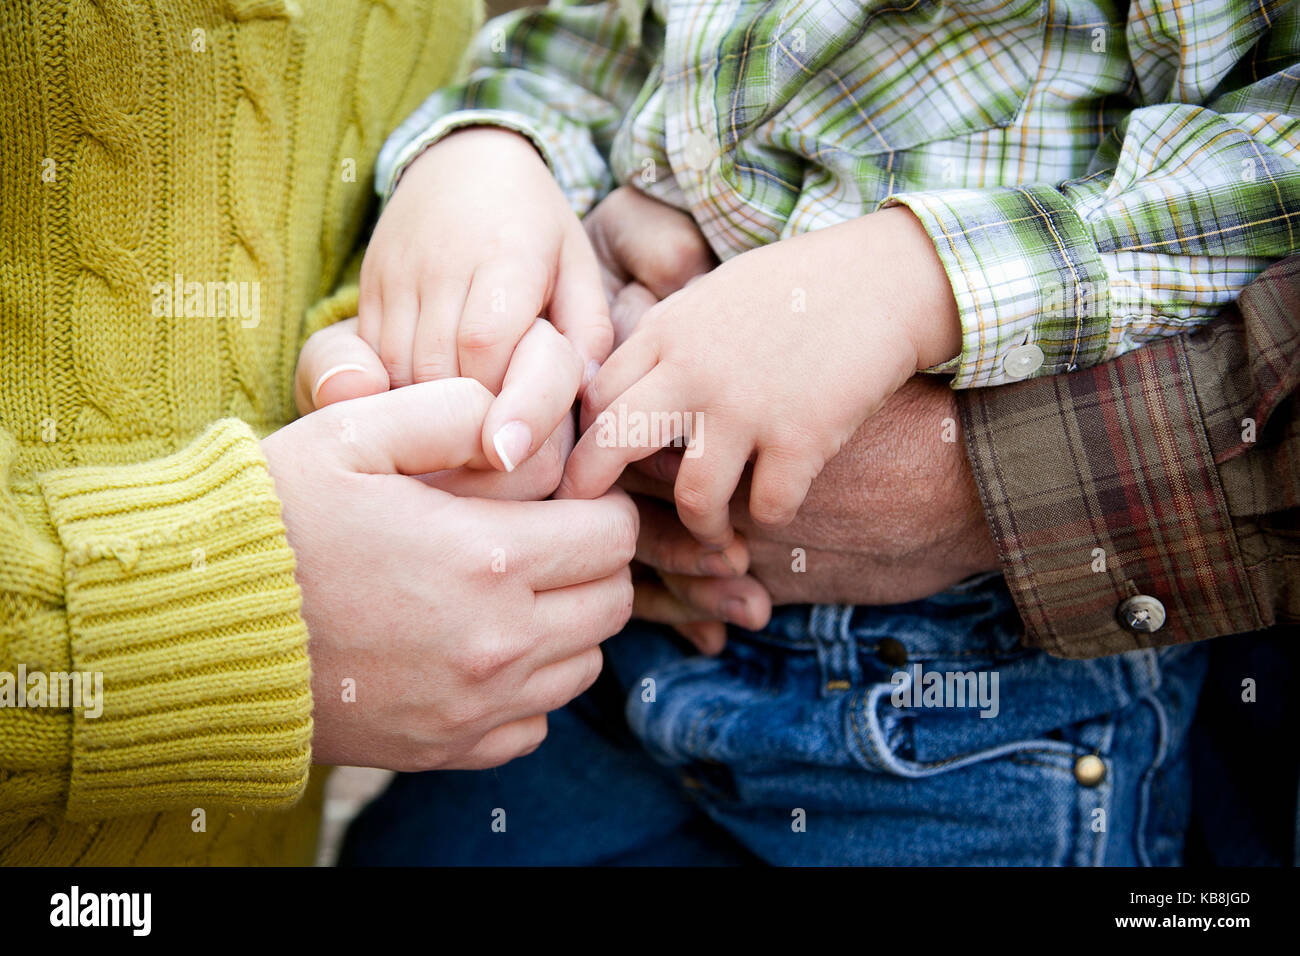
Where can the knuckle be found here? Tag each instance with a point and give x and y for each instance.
(674, 262)
(430, 368)
(536, 735)
(549, 466)
(771, 512)
(601, 339)
(484, 658)
(467, 397)
(623, 536)
(418, 762)
(593, 661)
(460, 714)
(774, 503)
(478, 335)
(507, 241)
(398, 369)
(624, 599)
(692, 500)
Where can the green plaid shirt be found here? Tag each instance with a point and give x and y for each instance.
(1095, 174)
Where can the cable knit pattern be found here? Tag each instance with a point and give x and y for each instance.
(111, 191)
(155, 151)
(266, 50)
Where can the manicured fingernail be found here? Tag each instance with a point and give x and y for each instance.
(329, 373)
(512, 442)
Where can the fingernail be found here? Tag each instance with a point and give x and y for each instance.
(512, 442)
(733, 609)
(718, 546)
(329, 373)
(717, 563)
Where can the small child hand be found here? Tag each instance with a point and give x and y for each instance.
(782, 353)
(475, 243)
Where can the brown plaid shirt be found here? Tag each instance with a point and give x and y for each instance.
(1172, 471)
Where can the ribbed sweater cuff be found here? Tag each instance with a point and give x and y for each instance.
(180, 591)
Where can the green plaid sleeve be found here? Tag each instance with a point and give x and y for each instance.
(1181, 207)
(1026, 273)
(563, 75)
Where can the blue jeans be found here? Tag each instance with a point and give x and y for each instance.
(790, 748)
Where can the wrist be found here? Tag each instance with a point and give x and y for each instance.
(496, 144)
(928, 308)
(493, 138)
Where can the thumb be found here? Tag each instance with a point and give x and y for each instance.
(416, 430)
(536, 396)
(336, 364)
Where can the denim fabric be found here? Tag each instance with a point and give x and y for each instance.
(1246, 755)
(788, 748)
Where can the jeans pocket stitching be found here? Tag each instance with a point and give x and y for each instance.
(871, 742)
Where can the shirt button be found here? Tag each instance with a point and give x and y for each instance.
(1089, 770)
(1023, 361)
(699, 151)
(892, 652)
(1142, 614)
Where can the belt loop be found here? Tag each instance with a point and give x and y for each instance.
(837, 657)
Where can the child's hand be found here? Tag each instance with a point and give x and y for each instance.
(475, 243)
(647, 250)
(783, 351)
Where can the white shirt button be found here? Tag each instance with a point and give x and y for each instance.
(1142, 614)
(1023, 361)
(699, 151)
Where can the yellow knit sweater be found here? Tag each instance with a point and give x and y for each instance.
(182, 188)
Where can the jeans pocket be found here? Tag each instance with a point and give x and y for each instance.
(927, 740)
(744, 709)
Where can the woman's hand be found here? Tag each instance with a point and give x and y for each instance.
(337, 365)
(443, 629)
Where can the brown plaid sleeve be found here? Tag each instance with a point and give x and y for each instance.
(1163, 483)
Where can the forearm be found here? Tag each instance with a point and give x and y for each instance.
(1185, 201)
(170, 583)
(1167, 473)
(563, 77)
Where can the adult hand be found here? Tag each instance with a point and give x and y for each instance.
(337, 365)
(460, 622)
(895, 516)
